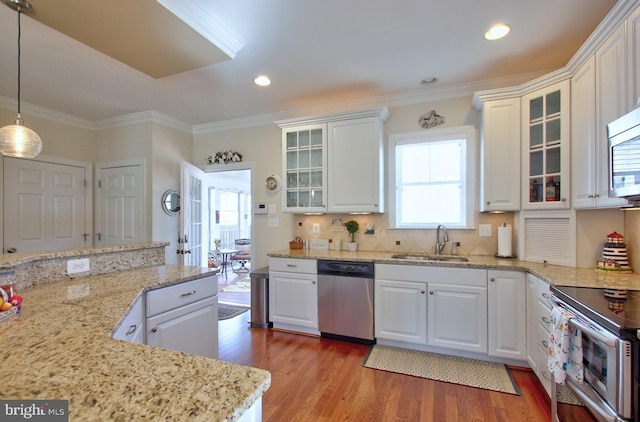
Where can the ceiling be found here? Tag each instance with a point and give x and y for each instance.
(319, 54)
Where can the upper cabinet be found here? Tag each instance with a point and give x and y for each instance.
(355, 166)
(633, 54)
(334, 163)
(545, 147)
(598, 96)
(500, 155)
(304, 155)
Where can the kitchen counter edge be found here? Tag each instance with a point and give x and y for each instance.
(552, 274)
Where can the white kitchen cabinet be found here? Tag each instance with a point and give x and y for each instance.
(131, 328)
(457, 314)
(190, 329)
(293, 294)
(597, 93)
(401, 311)
(633, 58)
(538, 313)
(545, 147)
(334, 163)
(456, 307)
(304, 158)
(184, 317)
(355, 165)
(507, 314)
(500, 155)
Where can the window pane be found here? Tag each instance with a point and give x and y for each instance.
(431, 203)
(445, 161)
(413, 159)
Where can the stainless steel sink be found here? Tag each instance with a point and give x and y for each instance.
(437, 258)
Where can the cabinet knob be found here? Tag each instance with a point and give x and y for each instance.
(422, 291)
(188, 293)
(430, 292)
(563, 199)
(545, 343)
(313, 282)
(545, 320)
(131, 330)
(488, 202)
(153, 330)
(492, 279)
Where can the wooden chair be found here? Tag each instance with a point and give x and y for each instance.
(240, 260)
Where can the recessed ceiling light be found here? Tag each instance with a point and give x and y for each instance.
(497, 31)
(262, 81)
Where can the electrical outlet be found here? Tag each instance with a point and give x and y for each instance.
(316, 227)
(273, 222)
(484, 230)
(77, 265)
(77, 291)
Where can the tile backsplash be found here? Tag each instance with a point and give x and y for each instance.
(384, 239)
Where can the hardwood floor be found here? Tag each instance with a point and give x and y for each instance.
(317, 379)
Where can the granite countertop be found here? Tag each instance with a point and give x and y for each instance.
(553, 274)
(60, 348)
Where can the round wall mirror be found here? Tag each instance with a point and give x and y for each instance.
(171, 202)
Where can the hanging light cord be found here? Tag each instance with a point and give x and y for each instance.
(19, 32)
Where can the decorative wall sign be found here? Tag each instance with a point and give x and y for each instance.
(430, 119)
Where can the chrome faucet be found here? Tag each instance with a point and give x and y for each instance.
(440, 244)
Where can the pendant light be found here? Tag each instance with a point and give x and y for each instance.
(18, 140)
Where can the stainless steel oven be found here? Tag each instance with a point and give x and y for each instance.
(610, 354)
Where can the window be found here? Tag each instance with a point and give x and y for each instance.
(431, 178)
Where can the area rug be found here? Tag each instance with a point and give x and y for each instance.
(229, 311)
(453, 369)
(241, 286)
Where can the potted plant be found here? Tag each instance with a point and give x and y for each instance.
(352, 227)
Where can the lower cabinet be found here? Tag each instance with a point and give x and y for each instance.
(131, 329)
(507, 314)
(457, 315)
(293, 294)
(401, 311)
(190, 329)
(184, 317)
(538, 319)
(432, 306)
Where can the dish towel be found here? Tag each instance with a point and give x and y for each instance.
(565, 348)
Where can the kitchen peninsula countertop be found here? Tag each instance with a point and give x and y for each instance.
(553, 274)
(60, 348)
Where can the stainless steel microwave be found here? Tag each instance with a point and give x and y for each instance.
(624, 156)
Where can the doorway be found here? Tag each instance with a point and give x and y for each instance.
(230, 219)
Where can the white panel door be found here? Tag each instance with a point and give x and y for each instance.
(44, 206)
(121, 205)
(192, 197)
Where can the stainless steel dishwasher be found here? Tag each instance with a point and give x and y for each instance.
(345, 300)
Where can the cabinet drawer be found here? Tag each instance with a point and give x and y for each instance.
(171, 297)
(544, 315)
(292, 265)
(544, 294)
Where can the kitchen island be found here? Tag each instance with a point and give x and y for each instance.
(60, 347)
(552, 274)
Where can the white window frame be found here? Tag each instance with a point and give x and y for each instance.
(467, 133)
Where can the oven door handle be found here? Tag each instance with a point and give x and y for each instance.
(606, 338)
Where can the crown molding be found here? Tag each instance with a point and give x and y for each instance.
(143, 117)
(206, 24)
(46, 113)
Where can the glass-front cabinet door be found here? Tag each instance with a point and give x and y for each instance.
(545, 137)
(305, 164)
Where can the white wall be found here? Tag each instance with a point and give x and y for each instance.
(262, 146)
(170, 148)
